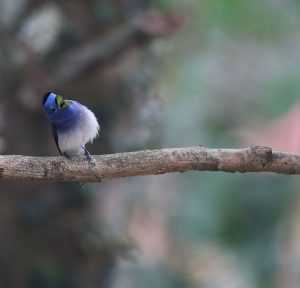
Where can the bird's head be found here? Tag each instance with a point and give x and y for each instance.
(57, 108)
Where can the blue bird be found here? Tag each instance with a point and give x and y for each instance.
(73, 124)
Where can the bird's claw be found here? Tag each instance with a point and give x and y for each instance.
(86, 154)
(66, 156)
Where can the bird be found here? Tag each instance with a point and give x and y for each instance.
(73, 125)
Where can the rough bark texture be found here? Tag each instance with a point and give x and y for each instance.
(148, 162)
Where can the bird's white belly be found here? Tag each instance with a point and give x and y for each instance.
(84, 131)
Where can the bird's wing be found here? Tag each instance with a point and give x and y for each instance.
(54, 133)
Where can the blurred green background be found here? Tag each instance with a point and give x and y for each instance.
(221, 73)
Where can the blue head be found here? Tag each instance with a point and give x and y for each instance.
(57, 109)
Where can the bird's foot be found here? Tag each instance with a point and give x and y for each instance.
(87, 154)
(66, 155)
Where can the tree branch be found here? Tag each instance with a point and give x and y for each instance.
(149, 25)
(148, 162)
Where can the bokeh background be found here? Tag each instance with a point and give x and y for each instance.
(157, 73)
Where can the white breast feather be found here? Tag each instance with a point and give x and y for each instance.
(85, 130)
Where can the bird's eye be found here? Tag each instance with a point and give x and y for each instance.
(52, 109)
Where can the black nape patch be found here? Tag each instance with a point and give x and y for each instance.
(46, 97)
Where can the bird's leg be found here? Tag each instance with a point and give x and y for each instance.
(66, 155)
(87, 154)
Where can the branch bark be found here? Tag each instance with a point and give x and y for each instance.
(148, 162)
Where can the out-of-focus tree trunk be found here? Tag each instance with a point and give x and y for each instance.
(48, 236)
